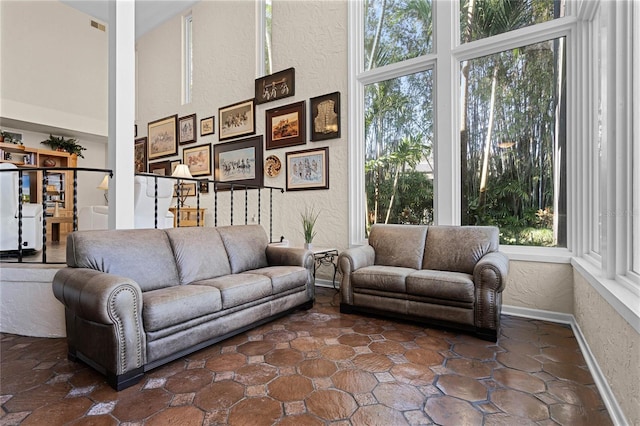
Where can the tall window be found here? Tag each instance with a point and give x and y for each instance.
(268, 61)
(398, 121)
(188, 59)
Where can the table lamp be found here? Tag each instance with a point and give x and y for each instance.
(182, 171)
(104, 185)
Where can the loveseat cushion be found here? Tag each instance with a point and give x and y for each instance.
(149, 261)
(458, 248)
(238, 289)
(398, 245)
(442, 285)
(199, 253)
(174, 305)
(383, 278)
(283, 278)
(246, 246)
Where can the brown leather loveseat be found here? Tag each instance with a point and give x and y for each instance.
(450, 276)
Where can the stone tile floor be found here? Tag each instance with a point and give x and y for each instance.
(320, 367)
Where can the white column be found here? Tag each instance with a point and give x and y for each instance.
(121, 111)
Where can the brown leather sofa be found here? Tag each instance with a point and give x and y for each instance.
(136, 299)
(450, 276)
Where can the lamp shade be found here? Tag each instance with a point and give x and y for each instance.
(104, 185)
(182, 171)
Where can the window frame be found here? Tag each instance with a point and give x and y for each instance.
(187, 58)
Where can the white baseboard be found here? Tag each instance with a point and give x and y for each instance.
(609, 399)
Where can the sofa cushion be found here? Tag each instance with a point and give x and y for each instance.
(442, 285)
(384, 278)
(199, 253)
(174, 305)
(398, 245)
(246, 246)
(458, 248)
(283, 278)
(238, 289)
(149, 261)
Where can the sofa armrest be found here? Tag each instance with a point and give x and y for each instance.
(349, 261)
(112, 304)
(289, 256)
(489, 277)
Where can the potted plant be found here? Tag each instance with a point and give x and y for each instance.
(7, 138)
(59, 143)
(309, 218)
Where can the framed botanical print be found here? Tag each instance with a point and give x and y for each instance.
(162, 137)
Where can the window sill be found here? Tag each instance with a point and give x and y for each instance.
(537, 254)
(619, 295)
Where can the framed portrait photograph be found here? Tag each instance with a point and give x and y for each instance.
(276, 86)
(162, 168)
(187, 129)
(207, 126)
(285, 126)
(198, 158)
(325, 117)
(162, 137)
(308, 169)
(237, 120)
(140, 155)
(239, 162)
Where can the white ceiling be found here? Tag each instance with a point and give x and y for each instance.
(149, 13)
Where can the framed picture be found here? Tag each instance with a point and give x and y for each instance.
(140, 155)
(174, 164)
(239, 162)
(198, 158)
(286, 126)
(160, 168)
(308, 169)
(203, 186)
(276, 86)
(162, 137)
(187, 129)
(325, 117)
(237, 120)
(187, 189)
(207, 126)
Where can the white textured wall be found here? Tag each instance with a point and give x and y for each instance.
(539, 285)
(309, 36)
(613, 342)
(54, 66)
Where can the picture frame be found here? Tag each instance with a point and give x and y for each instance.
(324, 117)
(239, 162)
(162, 168)
(237, 120)
(278, 85)
(174, 164)
(187, 132)
(198, 158)
(203, 187)
(285, 126)
(162, 137)
(188, 187)
(208, 126)
(308, 169)
(140, 155)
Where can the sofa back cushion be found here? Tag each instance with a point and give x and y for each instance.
(144, 255)
(246, 246)
(199, 253)
(458, 248)
(398, 245)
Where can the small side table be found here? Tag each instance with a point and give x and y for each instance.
(188, 216)
(325, 256)
(55, 222)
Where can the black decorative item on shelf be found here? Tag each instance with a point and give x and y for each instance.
(70, 145)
